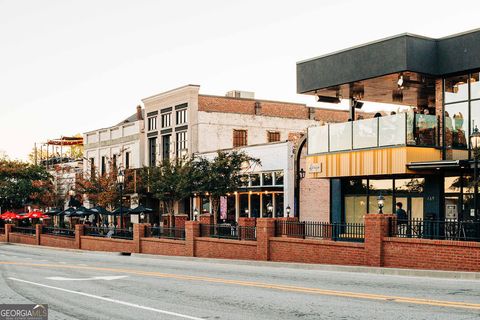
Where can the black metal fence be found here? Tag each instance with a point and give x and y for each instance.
(107, 232)
(435, 229)
(227, 231)
(165, 233)
(61, 232)
(354, 232)
(25, 230)
(2, 230)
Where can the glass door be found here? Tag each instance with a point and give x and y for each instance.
(412, 205)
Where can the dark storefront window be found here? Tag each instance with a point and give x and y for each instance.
(267, 179)
(152, 147)
(255, 180)
(279, 178)
(267, 200)
(243, 199)
(255, 205)
(231, 208)
(166, 147)
(279, 202)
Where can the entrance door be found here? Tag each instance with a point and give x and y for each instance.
(413, 205)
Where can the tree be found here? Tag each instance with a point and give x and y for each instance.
(221, 175)
(170, 181)
(21, 183)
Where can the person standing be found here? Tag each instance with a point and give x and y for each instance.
(402, 219)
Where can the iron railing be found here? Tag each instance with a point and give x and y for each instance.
(107, 232)
(2, 230)
(354, 232)
(175, 233)
(448, 229)
(61, 232)
(25, 230)
(227, 231)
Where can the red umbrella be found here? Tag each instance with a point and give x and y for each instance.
(35, 215)
(10, 215)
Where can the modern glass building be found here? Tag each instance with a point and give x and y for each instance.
(420, 154)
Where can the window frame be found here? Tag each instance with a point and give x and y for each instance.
(240, 141)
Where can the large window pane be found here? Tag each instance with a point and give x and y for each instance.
(243, 198)
(453, 184)
(255, 205)
(255, 180)
(456, 89)
(410, 185)
(355, 208)
(392, 130)
(279, 178)
(475, 86)
(365, 133)
(383, 187)
(267, 201)
(373, 204)
(425, 129)
(317, 139)
(356, 186)
(456, 125)
(267, 178)
(341, 136)
(475, 114)
(279, 204)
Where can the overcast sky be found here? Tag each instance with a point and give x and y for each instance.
(67, 67)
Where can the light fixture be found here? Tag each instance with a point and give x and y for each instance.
(381, 203)
(357, 104)
(269, 207)
(400, 81)
(195, 214)
(301, 173)
(288, 210)
(327, 99)
(246, 211)
(142, 216)
(120, 177)
(475, 138)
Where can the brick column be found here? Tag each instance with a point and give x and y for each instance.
(79, 232)
(38, 232)
(376, 228)
(265, 230)
(192, 230)
(247, 222)
(138, 233)
(8, 229)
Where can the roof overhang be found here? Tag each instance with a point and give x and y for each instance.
(442, 164)
(406, 52)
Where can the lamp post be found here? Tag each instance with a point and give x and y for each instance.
(381, 203)
(120, 183)
(288, 211)
(475, 144)
(195, 214)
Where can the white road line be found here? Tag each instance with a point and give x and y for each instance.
(129, 304)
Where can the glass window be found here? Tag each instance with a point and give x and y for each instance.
(205, 204)
(273, 136)
(279, 178)
(456, 89)
(475, 86)
(244, 180)
(181, 116)
(166, 147)
(475, 115)
(152, 147)
(267, 205)
(356, 186)
(383, 187)
(182, 143)
(373, 204)
(152, 123)
(231, 208)
(355, 208)
(255, 205)
(456, 124)
(166, 120)
(239, 138)
(243, 199)
(267, 178)
(127, 160)
(453, 184)
(255, 180)
(279, 204)
(391, 130)
(410, 185)
(317, 139)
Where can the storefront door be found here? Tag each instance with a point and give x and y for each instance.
(413, 205)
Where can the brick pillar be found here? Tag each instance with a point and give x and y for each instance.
(180, 220)
(38, 232)
(247, 222)
(138, 233)
(205, 218)
(376, 228)
(79, 232)
(192, 230)
(265, 230)
(8, 229)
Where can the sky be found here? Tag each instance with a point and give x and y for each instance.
(71, 66)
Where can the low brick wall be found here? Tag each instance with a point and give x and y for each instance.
(3, 238)
(57, 241)
(316, 251)
(22, 238)
(225, 249)
(431, 254)
(106, 244)
(166, 247)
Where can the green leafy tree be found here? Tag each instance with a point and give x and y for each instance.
(221, 175)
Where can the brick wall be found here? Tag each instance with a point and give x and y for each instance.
(22, 238)
(107, 244)
(225, 249)
(57, 241)
(162, 246)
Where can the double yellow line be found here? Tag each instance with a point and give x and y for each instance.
(344, 294)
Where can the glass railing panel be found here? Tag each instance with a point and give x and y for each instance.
(425, 130)
(340, 136)
(318, 139)
(392, 130)
(365, 133)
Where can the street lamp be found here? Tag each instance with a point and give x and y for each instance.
(195, 214)
(381, 203)
(120, 183)
(246, 211)
(301, 173)
(474, 144)
(288, 210)
(142, 216)
(269, 208)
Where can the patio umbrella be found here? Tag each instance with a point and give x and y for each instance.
(54, 211)
(10, 215)
(82, 211)
(70, 212)
(35, 215)
(124, 210)
(140, 209)
(100, 210)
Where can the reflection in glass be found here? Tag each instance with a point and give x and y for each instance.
(267, 179)
(356, 186)
(456, 124)
(383, 185)
(205, 204)
(279, 178)
(365, 133)
(278, 204)
(410, 185)
(267, 199)
(255, 180)
(355, 208)
(340, 136)
(425, 129)
(373, 204)
(475, 86)
(456, 89)
(475, 114)
(452, 184)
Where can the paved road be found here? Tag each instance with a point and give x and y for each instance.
(91, 285)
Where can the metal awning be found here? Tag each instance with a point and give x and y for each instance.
(442, 164)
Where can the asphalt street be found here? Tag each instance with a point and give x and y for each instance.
(94, 285)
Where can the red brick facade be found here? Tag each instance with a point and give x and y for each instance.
(377, 250)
